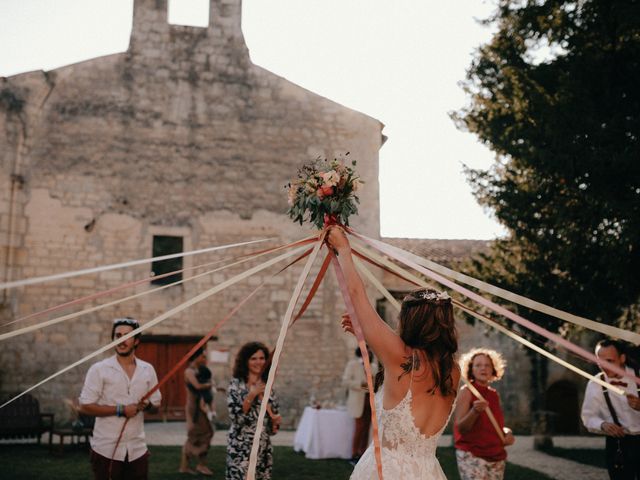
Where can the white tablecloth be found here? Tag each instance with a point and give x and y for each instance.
(324, 433)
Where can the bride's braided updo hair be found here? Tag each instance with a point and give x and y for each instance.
(426, 322)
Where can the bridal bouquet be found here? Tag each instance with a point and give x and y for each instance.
(324, 192)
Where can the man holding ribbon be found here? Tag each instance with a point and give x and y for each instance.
(616, 416)
(112, 392)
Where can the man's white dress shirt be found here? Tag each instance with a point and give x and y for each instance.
(108, 384)
(595, 410)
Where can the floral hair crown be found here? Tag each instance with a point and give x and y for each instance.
(431, 295)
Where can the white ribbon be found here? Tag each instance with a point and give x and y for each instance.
(70, 316)
(608, 330)
(286, 321)
(407, 275)
(164, 316)
(58, 276)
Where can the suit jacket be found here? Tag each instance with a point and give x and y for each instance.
(353, 378)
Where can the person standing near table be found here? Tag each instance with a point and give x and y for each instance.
(616, 416)
(112, 391)
(355, 380)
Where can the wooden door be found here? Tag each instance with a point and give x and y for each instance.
(561, 398)
(163, 352)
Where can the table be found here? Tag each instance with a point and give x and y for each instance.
(324, 433)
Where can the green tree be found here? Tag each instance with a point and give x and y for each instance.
(555, 94)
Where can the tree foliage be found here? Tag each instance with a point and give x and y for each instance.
(556, 95)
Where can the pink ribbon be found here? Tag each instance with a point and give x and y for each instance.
(357, 330)
(557, 339)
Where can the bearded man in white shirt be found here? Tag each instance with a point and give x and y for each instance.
(112, 392)
(616, 416)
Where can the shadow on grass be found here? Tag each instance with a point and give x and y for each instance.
(28, 462)
(587, 456)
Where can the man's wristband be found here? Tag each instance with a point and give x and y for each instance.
(119, 410)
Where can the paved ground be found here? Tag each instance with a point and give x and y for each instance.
(522, 453)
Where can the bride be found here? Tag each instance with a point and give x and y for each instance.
(421, 372)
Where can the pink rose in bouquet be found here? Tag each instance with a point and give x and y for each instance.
(324, 191)
(330, 178)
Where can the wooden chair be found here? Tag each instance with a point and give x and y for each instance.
(22, 419)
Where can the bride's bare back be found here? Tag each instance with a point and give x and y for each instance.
(421, 375)
(430, 410)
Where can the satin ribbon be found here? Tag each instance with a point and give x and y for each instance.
(557, 339)
(488, 411)
(396, 305)
(164, 316)
(540, 350)
(150, 279)
(104, 293)
(357, 330)
(198, 345)
(608, 330)
(104, 268)
(286, 322)
(407, 276)
(314, 288)
(70, 316)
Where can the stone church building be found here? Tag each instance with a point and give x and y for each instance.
(179, 143)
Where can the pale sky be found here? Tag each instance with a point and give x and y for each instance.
(399, 61)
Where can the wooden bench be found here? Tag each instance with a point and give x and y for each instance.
(22, 419)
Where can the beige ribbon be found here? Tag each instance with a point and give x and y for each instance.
(488, 411)
(164, 316)
(104, 268)
(608, 330)
(286, 323)
(538, 349)
(412, 278)
(396, 305)
(70, 316)
(359, 334)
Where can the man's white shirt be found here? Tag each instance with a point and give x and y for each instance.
(108, 384)
(595, 410)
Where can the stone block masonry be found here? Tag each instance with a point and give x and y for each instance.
(179, 135)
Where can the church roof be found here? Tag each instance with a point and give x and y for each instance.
(444, 252)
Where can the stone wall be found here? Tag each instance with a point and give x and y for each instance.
(183, 135)
(179, 135)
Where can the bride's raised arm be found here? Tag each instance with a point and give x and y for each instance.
(384, 342)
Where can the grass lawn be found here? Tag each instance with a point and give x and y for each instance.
(29, 462)
(587, 456)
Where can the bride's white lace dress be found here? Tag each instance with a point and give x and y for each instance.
(407, 454)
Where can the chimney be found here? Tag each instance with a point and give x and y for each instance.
(148, 16)
(225, 17)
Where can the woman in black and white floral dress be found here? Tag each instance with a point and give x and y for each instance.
(244, 397)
